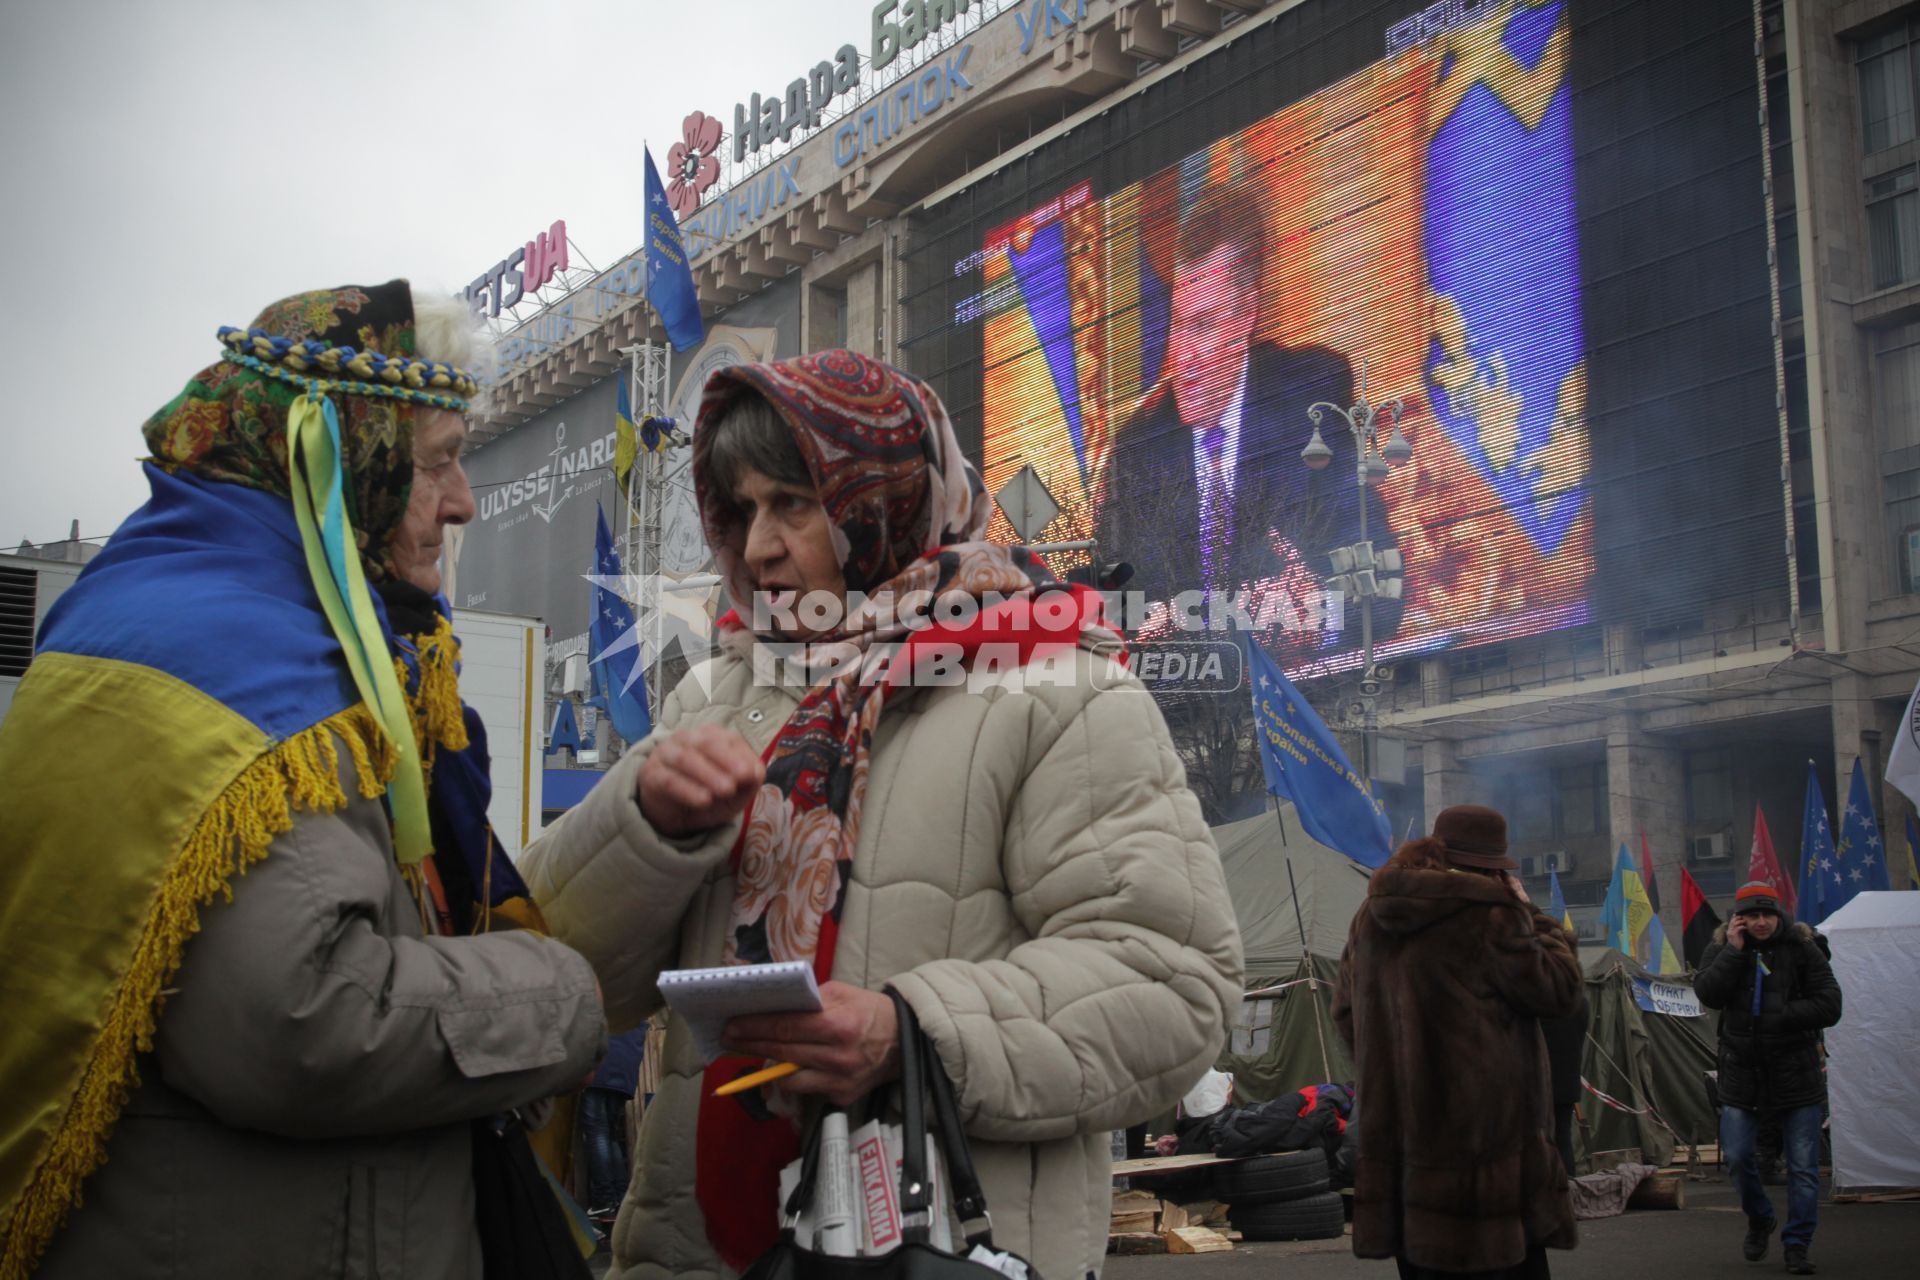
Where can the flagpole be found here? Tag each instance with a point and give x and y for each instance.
(1313, 979)
(1298, 922)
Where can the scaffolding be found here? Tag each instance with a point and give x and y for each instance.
(649, 374)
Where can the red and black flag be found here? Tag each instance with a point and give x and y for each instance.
(1699, 920)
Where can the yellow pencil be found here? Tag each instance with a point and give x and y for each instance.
(778, 1071)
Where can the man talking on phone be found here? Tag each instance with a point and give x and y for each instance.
(1776, 993)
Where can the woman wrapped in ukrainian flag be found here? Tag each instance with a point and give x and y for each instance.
(266, 1012)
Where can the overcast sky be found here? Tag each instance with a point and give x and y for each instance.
(171, 166)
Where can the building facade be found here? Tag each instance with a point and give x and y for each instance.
(1642, 276)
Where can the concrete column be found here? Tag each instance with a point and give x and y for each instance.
(1856, 733)
(1854, 552)
(1446, 780)
(1647, 792)
(824, 319)
(863, 310)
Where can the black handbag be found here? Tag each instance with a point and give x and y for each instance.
(921, 1076)
(523, 1230)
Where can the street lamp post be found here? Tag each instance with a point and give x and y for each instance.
(1358, 570)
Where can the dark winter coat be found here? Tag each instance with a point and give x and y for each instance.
(1444, 980)
(1772, 1060)
(1566, 1044)
(1311, 1117)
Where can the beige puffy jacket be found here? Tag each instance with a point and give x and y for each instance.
(1032, 875)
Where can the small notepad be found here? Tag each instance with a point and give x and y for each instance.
(707, 998)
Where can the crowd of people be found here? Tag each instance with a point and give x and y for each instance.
(294, 1004)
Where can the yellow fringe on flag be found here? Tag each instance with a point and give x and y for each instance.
(300, 773)
(434, 706)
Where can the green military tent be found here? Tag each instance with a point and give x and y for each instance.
(1649, 1048)
(1294, 899)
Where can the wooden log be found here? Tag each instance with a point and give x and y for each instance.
(1126, 1223)
(1205, 1213)
(1131, 1243)
(1664, 1190)
(1195, 1240)
(1173, 1217)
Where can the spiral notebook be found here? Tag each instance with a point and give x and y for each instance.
(707, 998)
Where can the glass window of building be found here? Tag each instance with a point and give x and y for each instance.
(1897, 364)
(1893, 225)
(1710, 788)
(1529, 809)
(1896, 367)
(1886, 88)
(1580, 799)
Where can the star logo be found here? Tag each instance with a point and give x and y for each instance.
(1873, 840)
(1853, 810)
(1857, 876)
(623, 603)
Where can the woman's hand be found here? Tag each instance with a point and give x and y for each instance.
(698, 778)
(844, 1051)
(1519, 890)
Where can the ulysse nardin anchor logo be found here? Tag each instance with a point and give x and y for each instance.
(566, 472)
(558, 494)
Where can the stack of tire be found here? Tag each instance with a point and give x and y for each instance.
(1280, 1197)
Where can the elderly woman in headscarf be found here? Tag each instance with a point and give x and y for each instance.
(915, 764)
(264, 1014)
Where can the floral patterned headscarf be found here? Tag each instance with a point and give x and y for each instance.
(230, 422)
(908, 513)
(882, 453)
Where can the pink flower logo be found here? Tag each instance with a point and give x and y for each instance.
(691, 162)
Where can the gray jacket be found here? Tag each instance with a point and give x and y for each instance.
(305, 1109)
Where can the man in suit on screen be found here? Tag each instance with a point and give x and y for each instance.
(1204, 486)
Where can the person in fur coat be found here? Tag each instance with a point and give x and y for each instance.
(1448, 970)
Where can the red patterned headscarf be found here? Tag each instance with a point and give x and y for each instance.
(908, 513)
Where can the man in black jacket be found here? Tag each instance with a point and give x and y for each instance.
(1776, 993)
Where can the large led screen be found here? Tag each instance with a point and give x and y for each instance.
(1408, 234)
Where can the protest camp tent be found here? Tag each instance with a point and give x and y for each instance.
(1268, 878)
(1874, 1060)
(1294, 899)
(1652, 1064)
(1648, 1052)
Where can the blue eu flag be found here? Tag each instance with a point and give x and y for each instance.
(619, 670)
(1820, 873)
(669, 273)
(1304, 764)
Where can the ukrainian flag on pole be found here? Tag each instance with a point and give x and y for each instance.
(1557, 901)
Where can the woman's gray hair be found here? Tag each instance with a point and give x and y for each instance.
(445, 328)
(752, 436)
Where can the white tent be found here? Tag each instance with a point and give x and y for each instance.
(1330, 887)
(1873, 1067)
